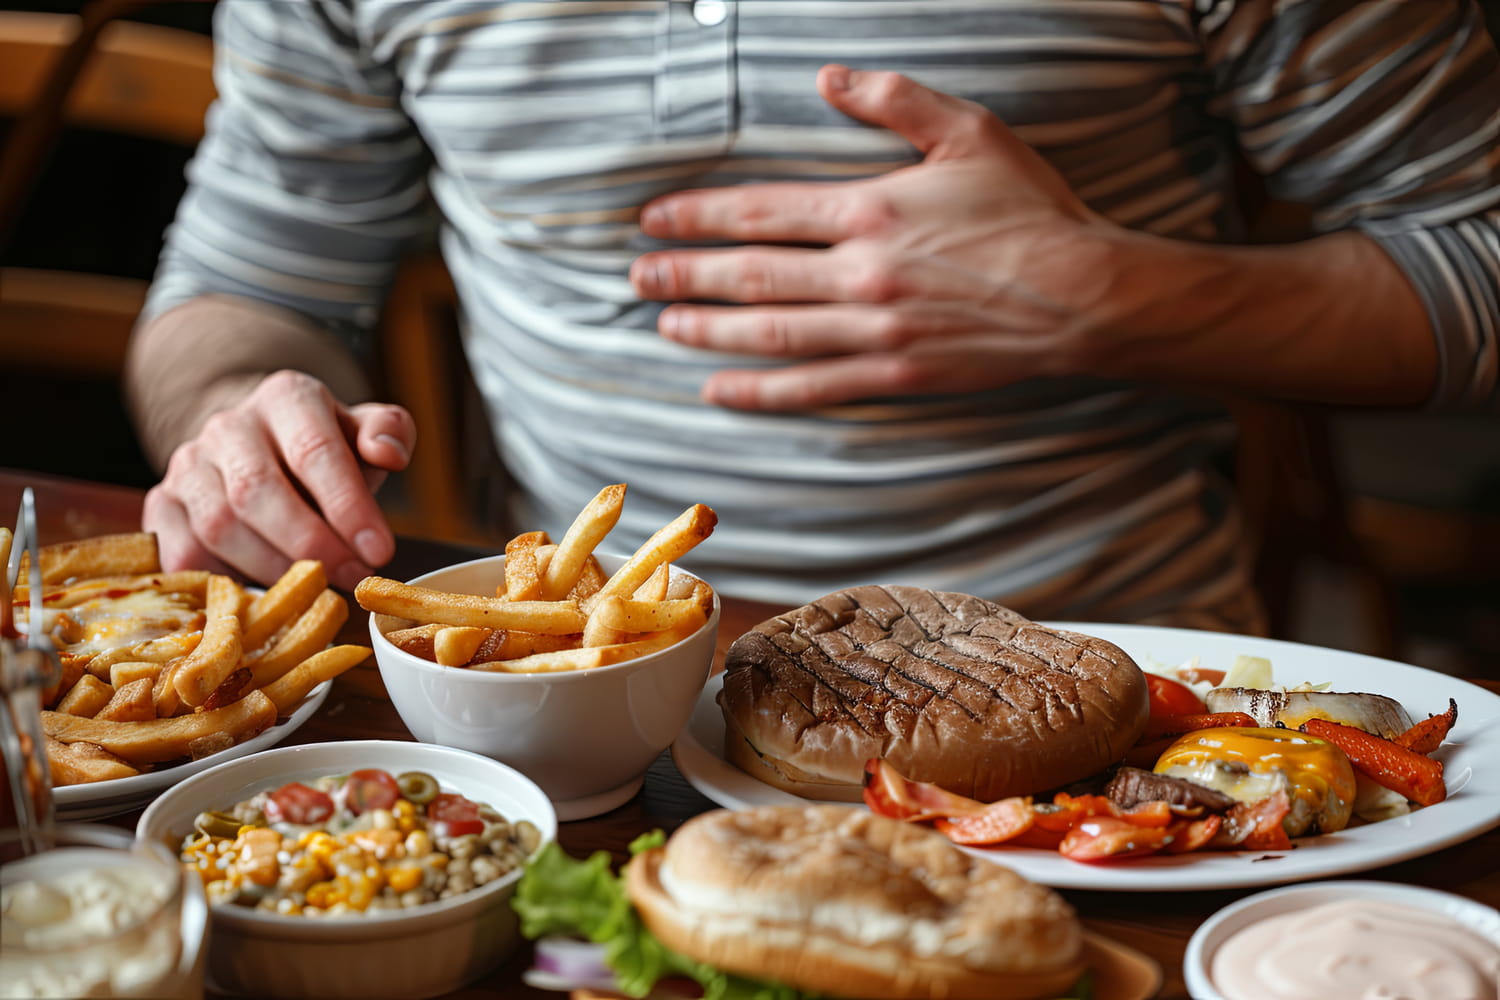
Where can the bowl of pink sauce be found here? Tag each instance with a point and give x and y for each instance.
(1358, 940)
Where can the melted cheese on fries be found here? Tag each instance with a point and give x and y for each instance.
(114, 622)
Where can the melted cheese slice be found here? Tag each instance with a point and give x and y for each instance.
(115, 622)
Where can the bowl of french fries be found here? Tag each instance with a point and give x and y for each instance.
(573, 665)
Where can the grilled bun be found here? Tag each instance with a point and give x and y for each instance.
(949, 688)
(841, 901)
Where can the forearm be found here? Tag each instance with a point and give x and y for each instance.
(1332, 319)
(210, 352)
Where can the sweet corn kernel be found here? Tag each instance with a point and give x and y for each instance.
(323, 894)
(404, 879)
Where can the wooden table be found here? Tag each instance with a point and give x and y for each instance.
(1158, 924)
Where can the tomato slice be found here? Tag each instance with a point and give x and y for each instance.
(297, 803)
(370, 788)
(1171, 698)
(454, 815)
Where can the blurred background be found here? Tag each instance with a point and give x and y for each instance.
(1378, 532)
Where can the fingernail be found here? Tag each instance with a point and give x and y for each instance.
(725, 392)
(655, 217)
(349, 574)
(643, 275)
(840, 78)
(396, 445)
(669, 322)
(370, 546)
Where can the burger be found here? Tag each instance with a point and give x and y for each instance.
(792, 901)
(949, 688)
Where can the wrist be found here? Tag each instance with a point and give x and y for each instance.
(1332, 319)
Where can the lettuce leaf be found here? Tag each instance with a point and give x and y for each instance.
(558, 894)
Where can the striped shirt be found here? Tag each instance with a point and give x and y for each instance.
(538, 129)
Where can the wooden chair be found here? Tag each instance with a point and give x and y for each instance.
(95, 70)
(91, 70)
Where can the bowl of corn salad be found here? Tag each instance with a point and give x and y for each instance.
(362, 869)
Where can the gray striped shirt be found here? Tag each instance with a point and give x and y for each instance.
(540, 128)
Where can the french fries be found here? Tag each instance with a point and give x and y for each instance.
(161, 667)
(159, 740)
(556, 609)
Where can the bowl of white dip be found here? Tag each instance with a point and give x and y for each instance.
(100, 915)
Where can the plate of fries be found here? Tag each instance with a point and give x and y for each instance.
(164, 674)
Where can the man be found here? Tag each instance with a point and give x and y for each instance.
(951, 317)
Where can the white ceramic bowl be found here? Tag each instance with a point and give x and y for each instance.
(1198, 962)
(585, 736)
(424, 951)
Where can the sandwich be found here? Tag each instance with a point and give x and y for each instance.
(792, 902)
(948, 688)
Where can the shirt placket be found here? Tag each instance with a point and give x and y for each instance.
(695, 83)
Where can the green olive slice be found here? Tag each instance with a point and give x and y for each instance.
(418, 786)
(218, 824)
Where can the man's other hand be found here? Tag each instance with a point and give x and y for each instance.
(288, 473)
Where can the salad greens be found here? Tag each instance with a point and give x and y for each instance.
(558, 894)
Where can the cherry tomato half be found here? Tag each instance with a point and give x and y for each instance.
(370, 788)
(297, 803)
(454, 815)
(1170, 698)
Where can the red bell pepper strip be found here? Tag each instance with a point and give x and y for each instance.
(1106, 838)
(1418, 778)
(890, 793)
(1192, 834)
(1427, 735)
(999, 822)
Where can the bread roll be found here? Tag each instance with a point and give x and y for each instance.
(841, 901)
(948, 688)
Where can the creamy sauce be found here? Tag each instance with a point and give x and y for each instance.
(1358, 950)
(79, 923)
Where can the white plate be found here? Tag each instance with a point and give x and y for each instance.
(120, 795)
(1471, 768)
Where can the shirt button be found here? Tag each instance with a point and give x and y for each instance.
(710, 12)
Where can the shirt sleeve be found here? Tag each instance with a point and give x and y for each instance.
(1381, 116)
(310, 181)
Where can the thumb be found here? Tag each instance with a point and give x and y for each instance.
(940, 125)
(384, 435)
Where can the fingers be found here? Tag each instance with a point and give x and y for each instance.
(767, 213)
(276, 478)
(768, 274)
(269, 497)
(303, 424)
(961, 363)
(384, 435)
(939, 125)
(817, 383)
(180, 547)
(810, 331)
